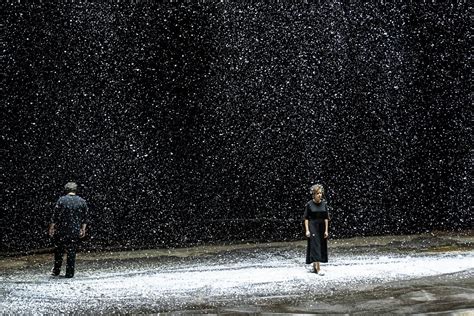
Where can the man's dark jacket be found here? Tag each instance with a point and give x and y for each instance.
(69, 213)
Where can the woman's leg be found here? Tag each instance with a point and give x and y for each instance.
(318, 268)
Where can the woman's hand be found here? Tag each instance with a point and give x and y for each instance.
(326, 234)
(308, 233)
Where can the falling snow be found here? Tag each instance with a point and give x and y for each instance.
(196, 123)
(205, 124)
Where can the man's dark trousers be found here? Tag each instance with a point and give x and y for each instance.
(68, 245)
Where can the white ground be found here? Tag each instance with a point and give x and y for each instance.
(214, 282)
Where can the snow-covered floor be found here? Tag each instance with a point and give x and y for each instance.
(246, 277)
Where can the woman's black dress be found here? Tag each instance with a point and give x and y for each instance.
(317, 250)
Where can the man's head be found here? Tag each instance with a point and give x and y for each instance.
(70, 187)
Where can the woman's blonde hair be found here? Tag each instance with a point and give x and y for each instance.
(315, 188)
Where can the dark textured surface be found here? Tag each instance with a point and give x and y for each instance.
(365, 275)
(188, 123)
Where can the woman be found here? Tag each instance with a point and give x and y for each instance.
(316, 222)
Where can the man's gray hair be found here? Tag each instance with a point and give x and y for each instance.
(71, 187)
(315, 188)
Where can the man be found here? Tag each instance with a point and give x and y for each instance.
(68, 224)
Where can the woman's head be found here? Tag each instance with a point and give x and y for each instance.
(317, 192)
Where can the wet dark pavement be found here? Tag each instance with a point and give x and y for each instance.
(383, 275)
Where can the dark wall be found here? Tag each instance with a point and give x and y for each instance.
(209, 122)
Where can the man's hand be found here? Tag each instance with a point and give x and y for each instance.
(51, 230)
(82, 233)
(326, 234)
(308, 233)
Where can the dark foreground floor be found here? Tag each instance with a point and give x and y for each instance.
(382, 275)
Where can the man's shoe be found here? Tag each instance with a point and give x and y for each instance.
(54, 272)
(68, 276)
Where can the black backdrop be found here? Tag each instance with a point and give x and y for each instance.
(208, 122)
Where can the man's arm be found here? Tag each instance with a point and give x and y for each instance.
(82, 232)
(85, 220)
(52, 225)
(51, 229)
